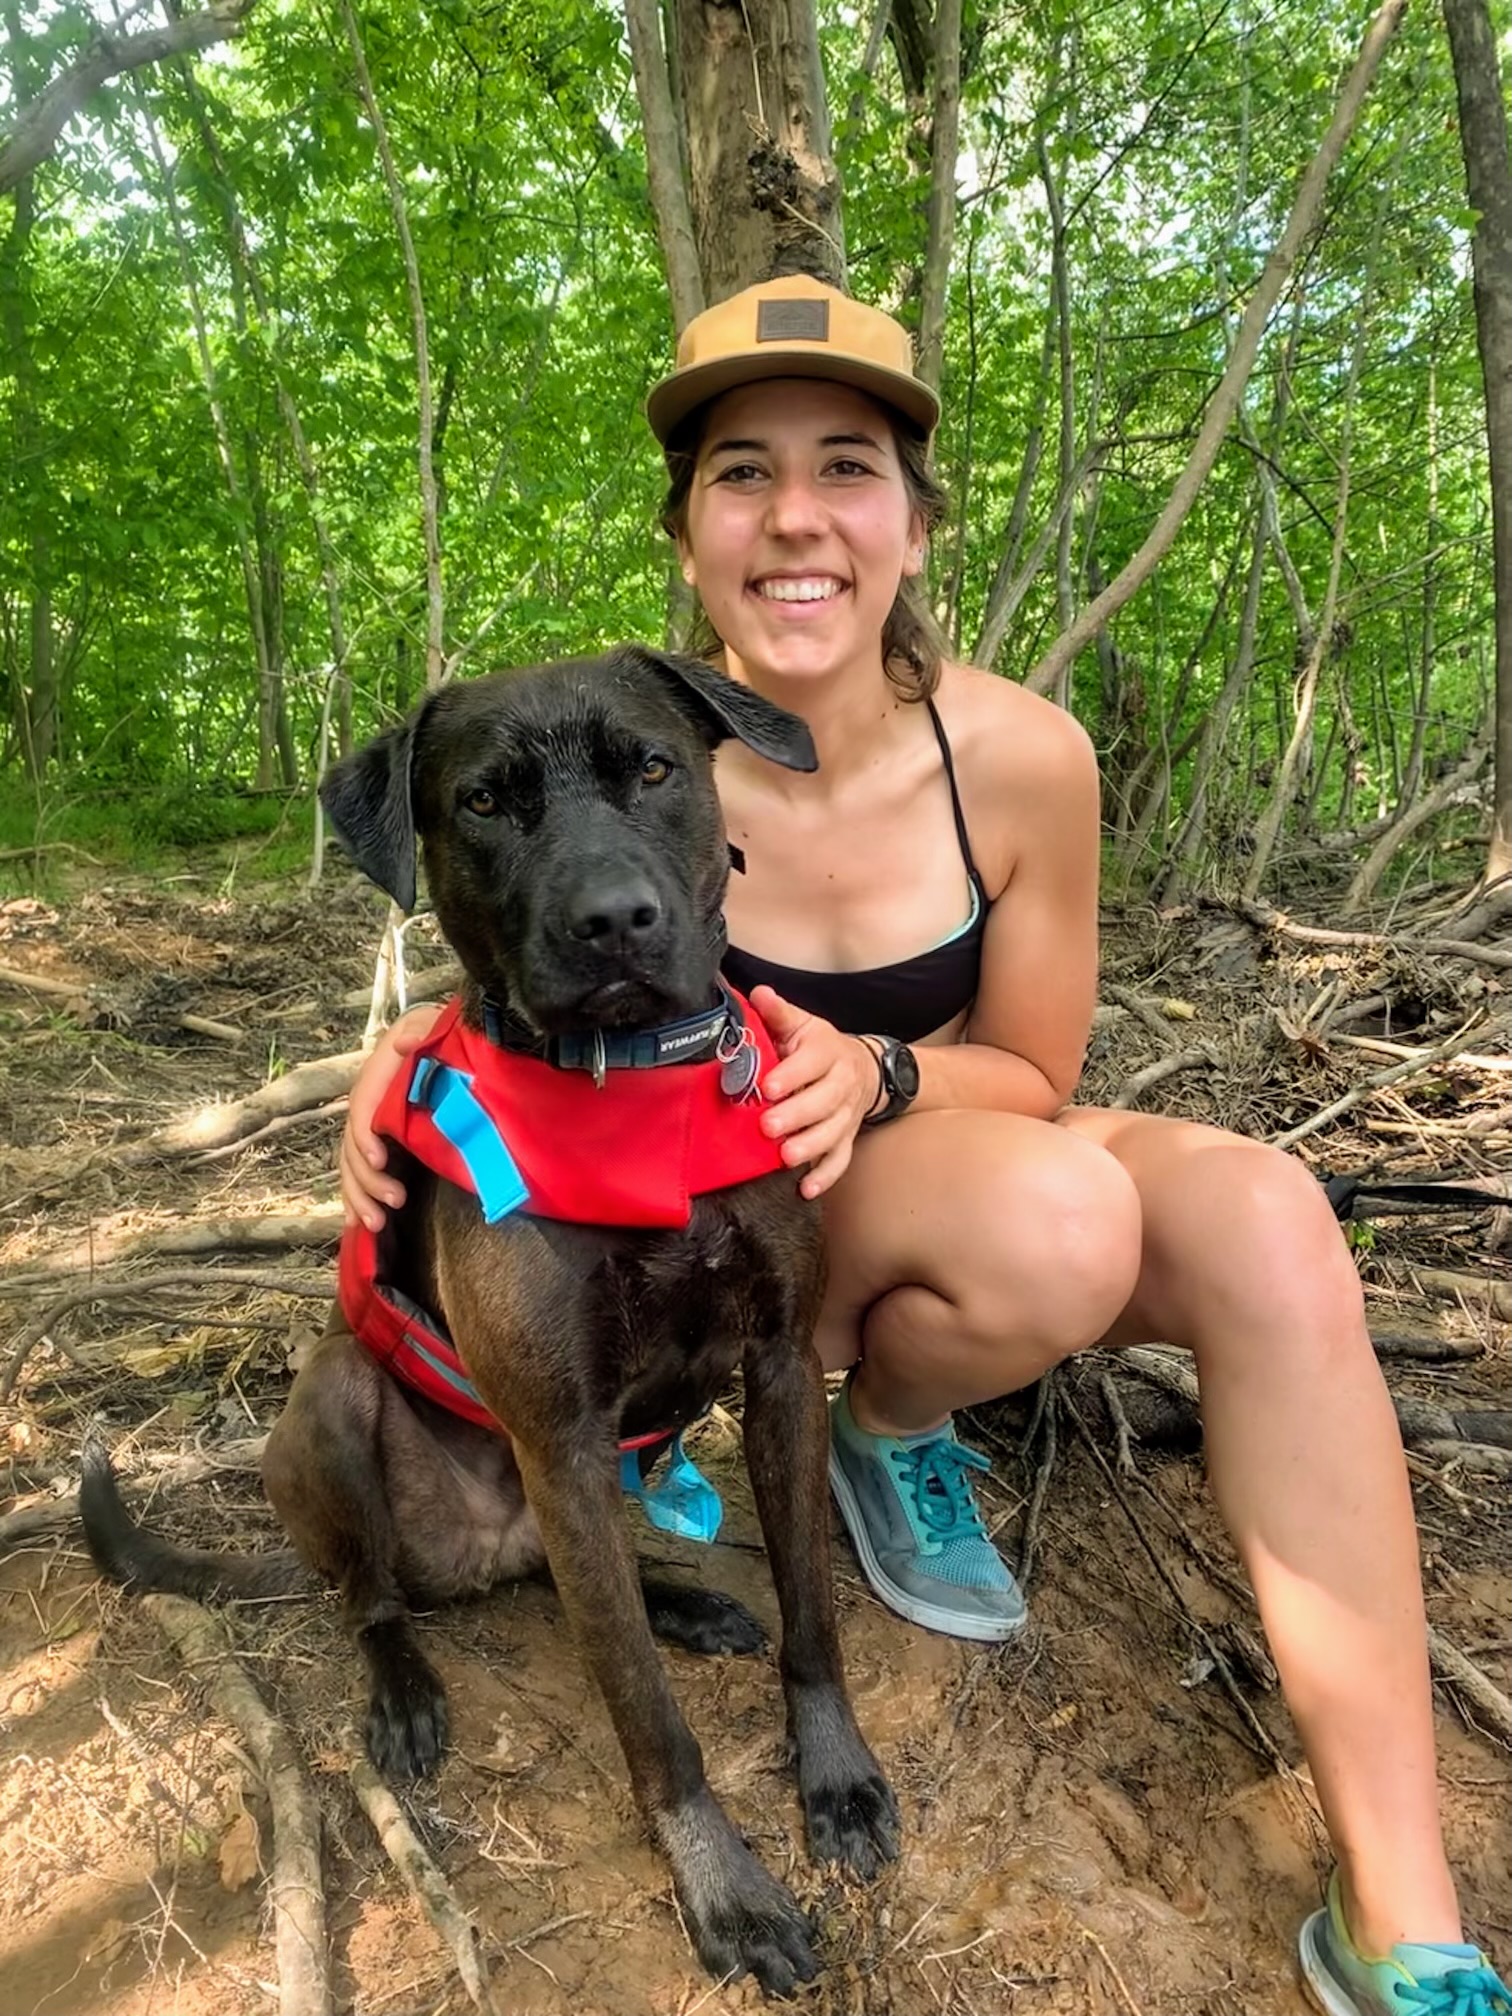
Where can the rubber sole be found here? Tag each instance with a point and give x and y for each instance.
(1318, 1989)
(949, 1623)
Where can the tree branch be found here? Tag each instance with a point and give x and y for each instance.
(1225, 400)
(36, 132)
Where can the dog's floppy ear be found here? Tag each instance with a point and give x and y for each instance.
(367, 798)
(729, 708)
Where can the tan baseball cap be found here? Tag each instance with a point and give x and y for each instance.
(792, 328)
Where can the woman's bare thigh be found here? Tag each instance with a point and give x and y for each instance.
(998, 1215)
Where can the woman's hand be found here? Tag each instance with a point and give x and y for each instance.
(366, 1193)
(819, 1092)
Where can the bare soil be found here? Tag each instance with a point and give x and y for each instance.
(1091, 1824)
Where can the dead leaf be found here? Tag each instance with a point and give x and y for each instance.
(1176, 1010)
(240, 1856)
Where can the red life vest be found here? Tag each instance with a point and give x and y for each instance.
(522, 1134)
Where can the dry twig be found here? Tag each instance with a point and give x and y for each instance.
(1492, 1708)
(57, 1513)
(298, 1897)
(318, 1286)
(439, 1901)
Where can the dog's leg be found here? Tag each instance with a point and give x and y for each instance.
(323, 1473)
(740, 1917)
(849, 1810)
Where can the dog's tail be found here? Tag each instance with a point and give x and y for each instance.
(139, 1559)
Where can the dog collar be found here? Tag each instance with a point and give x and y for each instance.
(719, 1032)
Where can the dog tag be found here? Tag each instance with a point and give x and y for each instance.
(737, 1074)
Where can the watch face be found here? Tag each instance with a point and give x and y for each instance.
(905, 1071)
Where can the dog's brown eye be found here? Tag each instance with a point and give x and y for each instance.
(655, 770)
(483, 803)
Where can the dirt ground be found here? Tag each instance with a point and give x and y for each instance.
(1093, 1822)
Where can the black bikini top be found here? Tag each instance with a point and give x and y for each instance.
(908, 999)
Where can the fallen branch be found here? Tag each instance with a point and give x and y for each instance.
(1418, 1420)
(1476, 1292)
(69, 990)
(214, 1126)
(1426, 1350)
(1267, 919)
(274, 1231)
(319, 1286)
(201, 1025)
(1133, 1088)
(1450, 1666)
(1122, 1435)
(282, 1125)
(1411, 1051)
(433, 985)
(1426, 1060)
(298, 1897)
(34, 1521)
(48, 847)
(1479, 1457)
(439, 1901)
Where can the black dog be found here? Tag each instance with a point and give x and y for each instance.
(576, 860)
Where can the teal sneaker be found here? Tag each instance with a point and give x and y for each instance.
(1410, 1981)
(912, 1518)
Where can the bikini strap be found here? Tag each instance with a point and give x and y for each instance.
(955, 795)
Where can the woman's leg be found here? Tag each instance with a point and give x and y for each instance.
(1245, 1266)
(968, 1251)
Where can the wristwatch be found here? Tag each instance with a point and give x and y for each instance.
(898, 1069)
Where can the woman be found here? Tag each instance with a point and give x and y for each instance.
(918, 923)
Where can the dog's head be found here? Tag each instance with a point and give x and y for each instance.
(573, 840)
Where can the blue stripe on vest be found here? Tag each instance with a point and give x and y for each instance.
(447, 1095)
(458, 1381)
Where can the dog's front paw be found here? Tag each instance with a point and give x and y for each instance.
(705, 1621)
(740, 1918)
(407, 1723)
(850, 1815)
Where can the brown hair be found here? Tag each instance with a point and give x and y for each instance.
(913, 645)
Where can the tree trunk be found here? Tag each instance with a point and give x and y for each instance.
(763, 188)
(244, 266)
(1488, 180)
(1299, 748)
(35, 709)
(664, 161)
(944, 143)
(430, 510)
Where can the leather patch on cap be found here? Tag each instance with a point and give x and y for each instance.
(792, 321)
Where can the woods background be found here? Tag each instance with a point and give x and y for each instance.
(325, 341)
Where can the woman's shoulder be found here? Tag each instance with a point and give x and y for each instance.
(1005, 739)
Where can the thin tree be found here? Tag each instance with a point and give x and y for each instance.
(1488, 179)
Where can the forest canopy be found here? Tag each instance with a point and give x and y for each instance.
(211, 545)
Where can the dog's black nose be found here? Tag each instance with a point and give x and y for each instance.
(614, 917)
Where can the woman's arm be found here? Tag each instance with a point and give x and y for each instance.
(1031, 800)
(366, 1193)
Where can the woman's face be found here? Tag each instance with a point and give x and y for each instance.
(799, 527)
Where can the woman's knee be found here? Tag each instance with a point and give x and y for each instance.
(1274, 1255)
(1064, 1253)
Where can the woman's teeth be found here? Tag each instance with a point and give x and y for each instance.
(798, 591)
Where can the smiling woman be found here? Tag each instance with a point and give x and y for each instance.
(923, 909)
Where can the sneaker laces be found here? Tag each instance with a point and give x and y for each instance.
(1462, 1991)
(936, 1472)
